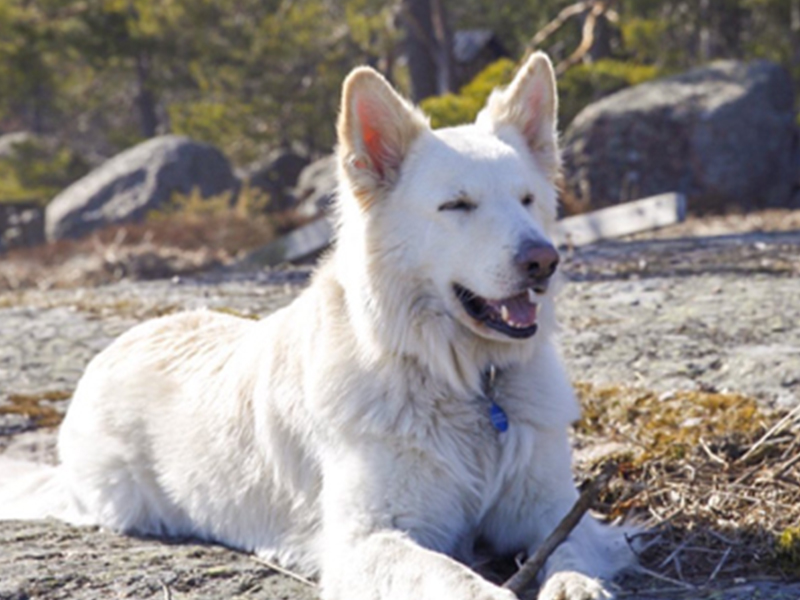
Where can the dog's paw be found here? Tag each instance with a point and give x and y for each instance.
(568, 585)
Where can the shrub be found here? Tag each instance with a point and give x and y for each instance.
(579, 86)
(454, 109)
(37, 170)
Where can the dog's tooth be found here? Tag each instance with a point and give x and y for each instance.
(531, 296)
(504, 312)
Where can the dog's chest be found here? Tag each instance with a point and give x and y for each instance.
(464, 467)
(476, 436)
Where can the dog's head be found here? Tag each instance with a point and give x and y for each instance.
(461, 215)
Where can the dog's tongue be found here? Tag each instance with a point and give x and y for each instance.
(516, 311)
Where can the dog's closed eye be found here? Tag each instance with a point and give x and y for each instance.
(460, 204)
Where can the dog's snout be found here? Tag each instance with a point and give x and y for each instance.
(537, 259)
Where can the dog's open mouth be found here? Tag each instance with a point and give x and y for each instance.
(514, 316)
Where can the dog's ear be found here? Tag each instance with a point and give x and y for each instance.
(376, 129)
(529, 105)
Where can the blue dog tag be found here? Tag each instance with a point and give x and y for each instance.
(498, 417)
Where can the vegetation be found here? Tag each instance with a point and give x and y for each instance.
(190, 234)
(453, 109)
(713, 475)
(97, 76)
(36, 170)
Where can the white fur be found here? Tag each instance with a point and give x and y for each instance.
(346, 435)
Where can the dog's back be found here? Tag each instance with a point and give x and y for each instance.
(160, 439)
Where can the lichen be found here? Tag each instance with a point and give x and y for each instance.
(787, 550)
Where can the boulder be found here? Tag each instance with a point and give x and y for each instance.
(723, 135)
(139, 180)
(276, 175)
(316, 187)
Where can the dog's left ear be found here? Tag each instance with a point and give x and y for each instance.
(376, 129)
(530, 106)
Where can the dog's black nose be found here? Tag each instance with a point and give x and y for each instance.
(537, 259)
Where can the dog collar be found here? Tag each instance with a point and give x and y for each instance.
(497, 415)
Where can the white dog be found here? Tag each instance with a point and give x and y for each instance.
(408, 404)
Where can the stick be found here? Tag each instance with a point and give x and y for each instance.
(527, 573)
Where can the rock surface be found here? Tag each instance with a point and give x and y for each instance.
(723, 134)
(662, 314)
(51, 560)
(316, 187)
(136, 181)
(275, 176)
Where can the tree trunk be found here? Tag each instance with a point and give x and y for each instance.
(429, 48)
(445, 62)
(145, 101)
(419, 48)
(704, 49)
(794, 26)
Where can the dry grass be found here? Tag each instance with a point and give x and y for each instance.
(39, 408)
(176, 245)
(187, 235)
(715, 477)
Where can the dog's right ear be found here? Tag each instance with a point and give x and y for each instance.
(376, 129)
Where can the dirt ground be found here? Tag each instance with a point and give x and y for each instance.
(709, 305)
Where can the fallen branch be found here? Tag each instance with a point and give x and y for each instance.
(528, 571)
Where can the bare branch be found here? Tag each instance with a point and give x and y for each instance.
(587, 36)
(556, 24)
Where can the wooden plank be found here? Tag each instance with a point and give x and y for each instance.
(623, 219)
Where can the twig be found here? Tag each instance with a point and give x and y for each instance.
(283, 571)
(777, 428)
(527, 573)
(721, 562)
(678, 582)
(675, 552)
(723, 538)
(788, 465)
(716, 458)
(666, 591)
(167, 591)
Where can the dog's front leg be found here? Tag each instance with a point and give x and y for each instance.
(389, 521)
(389, 565)
(532, 508)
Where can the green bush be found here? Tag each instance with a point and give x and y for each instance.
(455, 109)
(579, 86)
(37, 170)
(249, 202)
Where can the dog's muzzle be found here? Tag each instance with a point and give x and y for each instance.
(514, 316)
